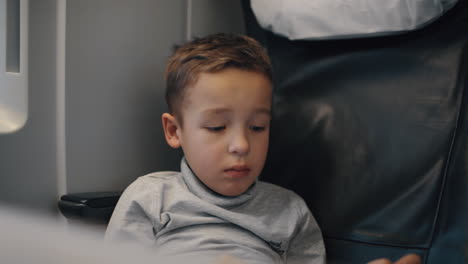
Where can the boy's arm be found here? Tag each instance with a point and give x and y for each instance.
(131, 219)
(307, 246)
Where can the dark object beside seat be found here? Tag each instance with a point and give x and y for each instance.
(94, 207)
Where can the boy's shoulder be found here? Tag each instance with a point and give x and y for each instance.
(275, 192)
(153, 181)
(270, 187)
(159, 176)
(278, 198)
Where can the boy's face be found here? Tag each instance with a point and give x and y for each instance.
(225, 130)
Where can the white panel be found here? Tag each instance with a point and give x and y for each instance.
(116, 51)
(28, 157)
(13, 74)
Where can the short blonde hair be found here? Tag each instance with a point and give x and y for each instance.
(211, 54)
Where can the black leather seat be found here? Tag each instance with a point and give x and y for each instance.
(373, 134)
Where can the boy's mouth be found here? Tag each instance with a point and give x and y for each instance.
(238, 171)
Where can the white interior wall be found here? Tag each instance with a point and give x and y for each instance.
(115, 89)
(94, 122)
(28, 157)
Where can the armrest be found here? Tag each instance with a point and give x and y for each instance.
(95, 207)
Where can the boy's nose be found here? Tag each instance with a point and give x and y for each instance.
(239, 144)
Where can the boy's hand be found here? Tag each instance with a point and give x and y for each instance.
(408, 259)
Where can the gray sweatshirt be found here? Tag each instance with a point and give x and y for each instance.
(177, 215)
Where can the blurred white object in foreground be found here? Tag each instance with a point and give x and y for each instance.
(27, 238)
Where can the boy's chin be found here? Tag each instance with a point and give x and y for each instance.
(233, 192)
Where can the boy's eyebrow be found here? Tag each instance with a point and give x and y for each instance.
(221, 110)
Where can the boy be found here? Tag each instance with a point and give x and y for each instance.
(219, 93)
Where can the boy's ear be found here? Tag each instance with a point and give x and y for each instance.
(171, 130)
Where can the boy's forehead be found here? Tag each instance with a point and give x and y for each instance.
(229, 90)
(226, 75)
(228, 81)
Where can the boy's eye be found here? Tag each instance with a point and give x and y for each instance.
(216, 128)
(257, 128)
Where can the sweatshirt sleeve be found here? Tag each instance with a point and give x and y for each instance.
(307, 245)
(132, 217)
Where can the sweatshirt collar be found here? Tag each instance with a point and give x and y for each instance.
(200, 190)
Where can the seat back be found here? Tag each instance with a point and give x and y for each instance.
(372, 133)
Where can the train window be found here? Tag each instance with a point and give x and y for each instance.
(13, 65)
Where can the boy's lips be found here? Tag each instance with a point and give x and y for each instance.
(237, 171)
